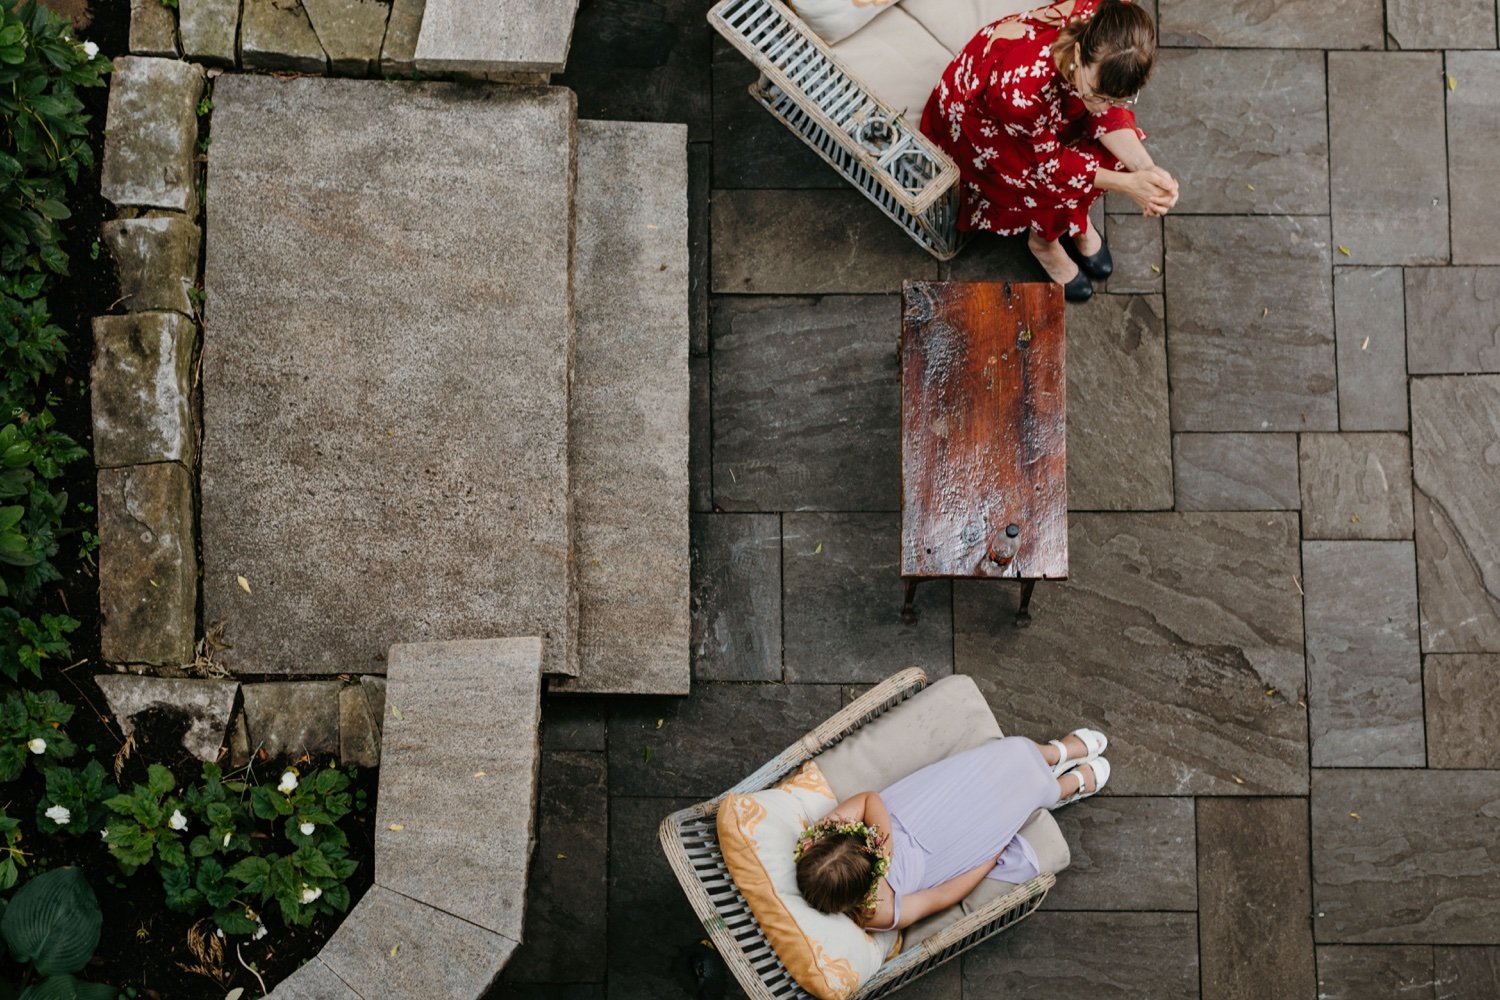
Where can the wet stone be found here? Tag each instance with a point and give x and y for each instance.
(1461, 24)
(700, 436)
(289, 718)
(141, 388)
(806, 403)
(278, 35)
(1250, 334)
(1456, 475)
(350, 31)
(207, 703)
(361, 707)
(1202, 605)
(1473, 137)
(842, 603)
(757, 251)
(1417, 866)
(1452, 319)
(648, 958)
(156, 261)
(1359, 972)
(1119, 434)
(398, 52)
(987, 257)
(1370, 312)
(1462, 697)
(1236, 471)
(1364, 666)
(1391, 208)
(1129, 955)
(1356, 486)
(1128, 854)
(574, 723)
(153, 29)
(1135, 244)
(151, 134)
(736, 602)
(1253, 899)
(148, 570)
(752, 147)
(700, 158)
(209, 29)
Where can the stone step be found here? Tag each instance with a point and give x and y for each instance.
(629, 410)
(387, 343)
(495, 36)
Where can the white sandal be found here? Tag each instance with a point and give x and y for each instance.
(1101, 777)
(1094, 743)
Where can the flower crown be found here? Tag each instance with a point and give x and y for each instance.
(871, 837)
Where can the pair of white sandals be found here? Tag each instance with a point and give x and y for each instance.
(1094, 743)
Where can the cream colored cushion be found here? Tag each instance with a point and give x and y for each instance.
(897, 61)
(829, 956)
(954, 23)
(835, 20)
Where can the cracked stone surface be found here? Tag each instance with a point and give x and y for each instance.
(207, 704)
(151, 134)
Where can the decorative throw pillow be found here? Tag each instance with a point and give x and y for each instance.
(828, 955)
(835, 20)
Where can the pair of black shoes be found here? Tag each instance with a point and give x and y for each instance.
(1098, 265)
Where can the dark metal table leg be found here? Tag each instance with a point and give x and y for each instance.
(1023, 613)
(908, 612)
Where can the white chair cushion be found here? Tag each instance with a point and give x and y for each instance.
(954, 23)
(836, 20)
(897, 61)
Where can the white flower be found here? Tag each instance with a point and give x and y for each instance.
(90, 49)
(309, 893)
(307, 829)
(260, 932)
(227, 837)
(37, 745)
(218, 932)
(59, 815)
(104, 834)
(288, 783)
(178, 820)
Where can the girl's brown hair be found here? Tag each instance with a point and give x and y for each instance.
(834, 874)
(1120, 39)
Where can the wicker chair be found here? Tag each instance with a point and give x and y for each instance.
(690, 839)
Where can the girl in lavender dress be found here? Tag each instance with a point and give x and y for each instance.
(890, 858)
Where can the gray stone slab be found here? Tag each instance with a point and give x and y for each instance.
(1250, 333)
(737, 597)
(1171, 634)
(1128, 854)
(481, 36)
(778, 242)
(1456, 478)
(628, 410)
(151, 134)
(398, 51)
(287, 719)
(1371, 335)
(1405, 856)
(156, 261)
(141, 383)
(210, 29)
(148, 569)
(842, 596)
(987, 257)
(1364, 664)
(1293, 24)
(153, 29)
(806, 403)
(700, 160)
(565, 923)
(350, 31)
(1236, 471)
(1463, 24)
(1473, 136)
(570, 723)
(705, 744)
(700, 436)
(1135, 244)
(1466, 973)
(417, 408)
(278, 35)
(1253, 899)
(1462, 700)
(1452, 319)
(507, 990)
(207, 703)
(1359, 972)
(361, 708)
(1391, 208)
(391, 945)
(1119, 433)
(1257, 142)
(314, 981)
(647, 957)
(1356, 486)
(752, 147)
(1128, 955)
(458, 777)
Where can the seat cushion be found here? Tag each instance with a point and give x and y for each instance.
(954, 23)
(897, 61)
(829, 956)
(835, 20)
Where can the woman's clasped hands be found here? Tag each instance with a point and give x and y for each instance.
(1153, 189)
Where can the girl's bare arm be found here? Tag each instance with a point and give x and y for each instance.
(943, 895)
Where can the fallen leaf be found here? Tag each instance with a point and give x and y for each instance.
(396, 714)
(649, 753)
(561, 856)
(1452, 82)
(1301, 703)
(1270, 692)
(1250, 187)
(1265, 311)
(480, 774)
(1156, 268)
(1366, 345)
(1237, 779)
(244, 584)
(1299, 586)
(819, 550)
(395, 948)
(1344, 250)
(398, 827)
(1354, 815)
(157, 585)
(660, 723)
(1353, 518)
(650, 225)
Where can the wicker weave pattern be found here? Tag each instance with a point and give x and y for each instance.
(690, 839)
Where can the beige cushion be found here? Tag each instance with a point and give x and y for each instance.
(835, 20)
(954, 23)
(897, 61)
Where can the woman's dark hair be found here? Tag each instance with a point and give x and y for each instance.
(834, 874)
(1120, 39)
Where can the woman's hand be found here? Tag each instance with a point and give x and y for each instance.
(1164, 192)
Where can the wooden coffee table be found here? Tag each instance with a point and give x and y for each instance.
(984, 491)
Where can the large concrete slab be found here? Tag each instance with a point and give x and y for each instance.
(1473, 137)
(628, 407)
(385, 370)
(458, 777)
(495, 36)
(1370, 317)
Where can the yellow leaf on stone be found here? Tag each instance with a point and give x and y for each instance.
(561, 856)
(1366, 345)
(244, 584)
(660, 723)
(1270, 692)
(398, 827)
(1156, 269)
(1344, 250)
(396, 714)
(1354, 815)
(1250, 187)
(819, 550)
(395, 948)
(480, 774)
(1299, 586)
(1237, 779)
(1452, 82)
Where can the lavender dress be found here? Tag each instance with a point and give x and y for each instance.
(950, 816)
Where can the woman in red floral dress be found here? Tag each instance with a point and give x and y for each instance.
(1036, 112)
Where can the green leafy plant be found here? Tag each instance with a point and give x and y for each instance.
(31, 729)
(150, 824)
(26, 643)
(51, 926)
(12, 858)
(74, 800)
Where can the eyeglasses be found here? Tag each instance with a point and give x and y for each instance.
(1114, 102)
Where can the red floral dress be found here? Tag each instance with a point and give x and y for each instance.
(1026, 146)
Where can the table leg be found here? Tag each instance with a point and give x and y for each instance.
(1023, 613)
(908, 612)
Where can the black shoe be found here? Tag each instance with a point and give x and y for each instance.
(1079, 289)
(1100, 266)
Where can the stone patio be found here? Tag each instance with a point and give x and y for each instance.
(1285, 593)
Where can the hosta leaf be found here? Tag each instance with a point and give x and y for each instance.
(53, 922)
(68, 988)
